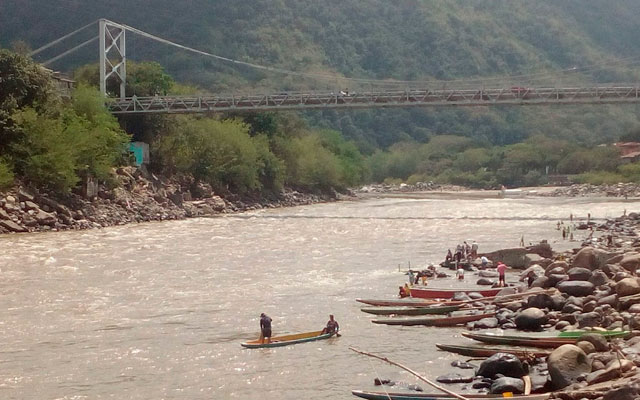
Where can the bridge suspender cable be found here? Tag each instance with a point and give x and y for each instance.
(49, 61)
(46, 46)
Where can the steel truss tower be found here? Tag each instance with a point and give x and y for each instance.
(113, 55)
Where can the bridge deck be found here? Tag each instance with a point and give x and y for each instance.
(401, 98)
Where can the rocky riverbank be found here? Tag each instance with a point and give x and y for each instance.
(405, 188)
(595, 287)
(584, 190)
(138, 197)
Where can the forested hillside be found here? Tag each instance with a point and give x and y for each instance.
(369, 44)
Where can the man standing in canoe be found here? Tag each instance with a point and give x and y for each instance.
(332, 326)
(265, 328)
(501, 273)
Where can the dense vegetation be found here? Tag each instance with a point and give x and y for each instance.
(429, 43)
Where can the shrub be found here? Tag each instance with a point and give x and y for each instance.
(6, 175)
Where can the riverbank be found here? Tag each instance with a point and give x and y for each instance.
(138, 197)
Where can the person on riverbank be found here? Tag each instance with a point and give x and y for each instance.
(449, 256)
(265, 328)
(502, 269)
(474, 249)
(411, 278)
(460, 272)
(332, 326)
(484, 261)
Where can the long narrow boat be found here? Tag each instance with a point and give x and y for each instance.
(432, 293)
(442, 321)
(410, 310)
(425, 396)
(481, 351)
(537, 341)
(286, 340)
(406, 302)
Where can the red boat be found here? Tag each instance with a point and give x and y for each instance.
(432, 293)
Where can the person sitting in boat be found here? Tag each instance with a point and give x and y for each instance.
(460, 272)
(502, 269)
(265, 328)
(332, 326)
(405, 291)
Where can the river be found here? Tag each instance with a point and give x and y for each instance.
(158, 310)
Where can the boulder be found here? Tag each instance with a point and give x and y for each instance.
(554, 279)
(462, 365)
(485, 282)
(485, 273)
(514, 258)
(631, 392)
(630, 262)
(531, 259)
(12, 226)
(598, 278)
(44, 218)
(587, 347)
(599, 342)
(576, 288)
(542, 282)
(485, 323)
(589, 319)
(543, 249)
(504, 315)
(612, 371)
(541, 300)
(507, 384)
(627, 287)
(531, 319)
(536, 269)
(611, 300)
(503, 364)
(4, 214)
(579, 274)
(558, 267)
(566, 364)
(590, 258)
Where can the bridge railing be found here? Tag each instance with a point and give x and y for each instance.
(390, 98)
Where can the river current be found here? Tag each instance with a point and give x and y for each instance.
(158, 310)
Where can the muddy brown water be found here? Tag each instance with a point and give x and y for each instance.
(158, 310)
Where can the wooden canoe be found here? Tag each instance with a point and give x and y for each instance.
(410, 310)
(481, 351)
(433, 293)
(534, 341)
(441, 321)
(286, 340)
(409, 302)
(425, 396)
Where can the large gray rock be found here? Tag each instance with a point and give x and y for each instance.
(566, 364)
(531, 259)
(531, 319)
(12, 226)
(541, 300)
(507, 384)
(576, 288)
(627, 287)
(485, 323)
(485, 282)
(579, 274)
(503, 364)
(557, 267)
(630, 262)
(44, 218)
(598, 278)
(589, 319)
(598, 341)
(590, 258)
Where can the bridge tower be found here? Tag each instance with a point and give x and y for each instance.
(113, 55)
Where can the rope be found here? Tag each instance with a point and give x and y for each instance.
(46, 46)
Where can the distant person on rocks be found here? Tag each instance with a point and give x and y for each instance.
(484, 261)
(411, 279)
(564, 233)
(474, 249)
(531, 277)
(609, 240)
(460, 272)
(332, 326)
(449, 256)
(265, 328)
(502, 269)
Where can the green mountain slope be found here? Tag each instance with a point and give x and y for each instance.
(456, 42)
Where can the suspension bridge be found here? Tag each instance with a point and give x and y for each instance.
(113, 57)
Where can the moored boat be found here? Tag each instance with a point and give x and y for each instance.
(425, 396)
(433, 293)
(410, 310)
(537, 341)
(441, 321)
(286, 340)
(408, 302)
(481, 351)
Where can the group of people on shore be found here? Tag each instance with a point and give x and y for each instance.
(464, 251)
(332, 327)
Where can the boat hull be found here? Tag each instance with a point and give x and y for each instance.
(410, 310)
(287, 340)
(424, 293)
(481, 351)
(443, 321)
(425, 396)
(532, 341)
(411, 302)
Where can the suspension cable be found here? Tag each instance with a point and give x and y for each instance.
(49, 61)
(46, 46)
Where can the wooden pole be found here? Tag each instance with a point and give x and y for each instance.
(412, 372)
